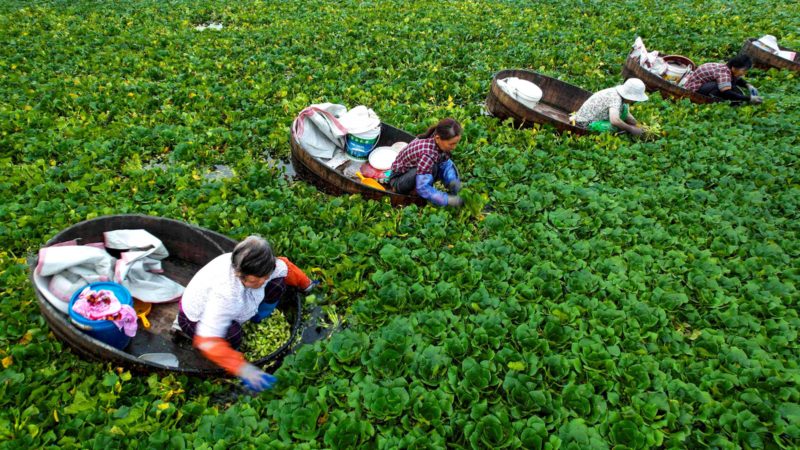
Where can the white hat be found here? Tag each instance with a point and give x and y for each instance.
(633, 90)
(770, 41)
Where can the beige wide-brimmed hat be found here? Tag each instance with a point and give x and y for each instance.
(632, 89)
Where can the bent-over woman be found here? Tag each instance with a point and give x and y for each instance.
(227, 292)
(608, 110)
(724, 81)
(425, 160)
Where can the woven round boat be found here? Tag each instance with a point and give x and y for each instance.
(190, 248)
(334, 181)
(653, 82)
(559, 100)
(766, 60)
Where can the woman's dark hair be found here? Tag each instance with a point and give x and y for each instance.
(253, 256)
(740, 62)
(445, 129)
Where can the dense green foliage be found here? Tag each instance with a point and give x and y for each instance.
(620, 293)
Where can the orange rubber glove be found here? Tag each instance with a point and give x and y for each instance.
(220, 352)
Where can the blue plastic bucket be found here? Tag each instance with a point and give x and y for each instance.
(102, 330)
(360, 144)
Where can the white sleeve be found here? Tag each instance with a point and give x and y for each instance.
(615, 103)
(217, 316)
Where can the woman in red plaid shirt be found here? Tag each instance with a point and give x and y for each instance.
(724, 80)
(427, 159)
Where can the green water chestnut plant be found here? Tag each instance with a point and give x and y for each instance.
(596, 291)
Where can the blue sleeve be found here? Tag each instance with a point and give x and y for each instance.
(448, 172)
(426, 190)
(264, 310)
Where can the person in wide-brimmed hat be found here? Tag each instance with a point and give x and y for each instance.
(607, 110)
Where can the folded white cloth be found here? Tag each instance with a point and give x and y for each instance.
(141, 275)
(139, 269)
(135, 240)
(56, 259)
(360, 120)
(770, 42)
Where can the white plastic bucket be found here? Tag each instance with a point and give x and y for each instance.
(360, 144)
(675, 72)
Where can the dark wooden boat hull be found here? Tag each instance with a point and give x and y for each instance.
(190, 248)
(653, 82)
(333, 182)
(766, 60)
(559, 100)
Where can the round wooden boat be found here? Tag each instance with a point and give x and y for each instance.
(190, 248)
(653, 82)
(559, 100)
(765, 60)
(334, 181)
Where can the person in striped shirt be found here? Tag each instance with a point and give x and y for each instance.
(425, 160)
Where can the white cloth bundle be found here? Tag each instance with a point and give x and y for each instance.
(67, 267)
(318, 130)
(649, 60)
(139, 268)
(360, 120)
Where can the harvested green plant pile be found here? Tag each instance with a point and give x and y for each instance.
(263, 338)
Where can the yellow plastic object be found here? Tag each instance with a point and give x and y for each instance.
(369, 182)
(142, 310)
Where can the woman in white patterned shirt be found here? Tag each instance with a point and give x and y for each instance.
(607, 110)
